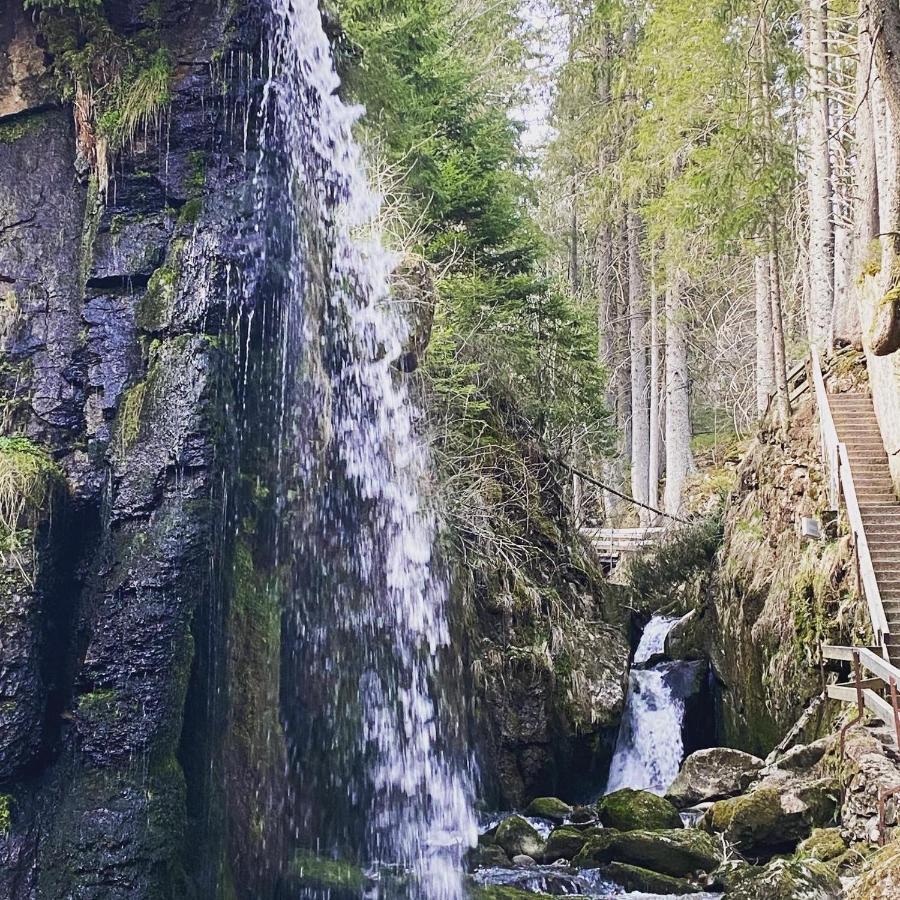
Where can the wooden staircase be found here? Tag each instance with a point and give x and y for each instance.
(857, 428)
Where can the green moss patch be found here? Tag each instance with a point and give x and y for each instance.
(28, 475)
(328, 874)
(5, 814)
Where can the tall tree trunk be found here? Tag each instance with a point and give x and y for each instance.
(640, 414)
(782, 401)
(821, 230)
(765, 350)
(574, 266)
(679, 459)
(605, 287)
(846, 327)
(623, 369)
(654, 454)
(865, 213)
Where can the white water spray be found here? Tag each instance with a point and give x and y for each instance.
(649, 747)
(371, 645)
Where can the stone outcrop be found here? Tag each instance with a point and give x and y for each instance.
(713, 774)
(774, 597)
(870, 768)
(787, 880)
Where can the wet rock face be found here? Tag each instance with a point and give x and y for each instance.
(25, 82)
(124, 381)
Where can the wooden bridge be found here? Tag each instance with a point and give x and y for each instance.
(611, 544)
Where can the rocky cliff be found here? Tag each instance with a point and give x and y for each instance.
(117, 383)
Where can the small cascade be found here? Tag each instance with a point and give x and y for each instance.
(650, 744)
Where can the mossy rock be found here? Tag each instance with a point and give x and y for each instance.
(551, 808)
(631, 810)
(489, 856)
(5, 814)
(337, 876)
(880, 876)
(595, 852)
(675, 852)
(635, 878)
(566, 843)
(788, 880)
(823, 844)
(767, 819)
(501, 892)
(731, 873)
(518, 837)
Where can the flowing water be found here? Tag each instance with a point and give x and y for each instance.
(376, 760)
(649, 746)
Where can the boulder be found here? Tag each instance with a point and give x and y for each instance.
(805, 756)
(713, 774)
(523, 861)
(550, 808)
(565, 843)
(769, 819)
(518, 837)
(631, 810)
(676, 852)
(584, 817)
(824, 844)
(685, 639)
(730, 874)
(787, 880)
(635, 878)
(488, 856)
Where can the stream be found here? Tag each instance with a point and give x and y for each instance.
(648, 754)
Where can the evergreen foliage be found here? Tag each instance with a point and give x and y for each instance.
(507, 339)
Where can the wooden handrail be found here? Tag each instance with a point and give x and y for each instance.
(863, 556)
(840, 482)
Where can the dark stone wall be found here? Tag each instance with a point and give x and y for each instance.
(118, 359)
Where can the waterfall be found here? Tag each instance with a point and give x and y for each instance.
(377, 764)
(649, 746)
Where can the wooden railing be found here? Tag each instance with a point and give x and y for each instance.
(840, 483)
(616, 541)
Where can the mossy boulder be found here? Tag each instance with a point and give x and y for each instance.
(502, 892)
(731, 873)
(676, 852)
(339, 878)
(631, 810)
(566, 843)
(635, 878)
(713, 774)
(488, 856)
(788, 880)
(823, 844)
(551, 808)
(518, 837)
(768, 819)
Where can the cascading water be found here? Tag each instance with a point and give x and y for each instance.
(649, 746)
(377, 768)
